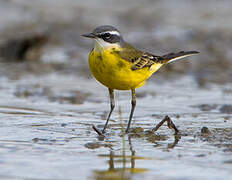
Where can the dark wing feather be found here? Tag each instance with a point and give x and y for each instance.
(146, 60)
(141, 59)
(138, 58)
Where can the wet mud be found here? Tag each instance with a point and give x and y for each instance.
(50, 102)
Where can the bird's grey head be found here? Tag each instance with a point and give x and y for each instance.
(105, 36)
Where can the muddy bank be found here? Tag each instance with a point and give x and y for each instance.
(49, 100)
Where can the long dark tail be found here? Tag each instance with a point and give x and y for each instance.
(167, 58)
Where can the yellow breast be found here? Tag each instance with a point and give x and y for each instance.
(115, 73)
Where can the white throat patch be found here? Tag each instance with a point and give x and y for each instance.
(100, 44)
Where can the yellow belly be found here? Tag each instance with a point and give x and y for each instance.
(115, 73)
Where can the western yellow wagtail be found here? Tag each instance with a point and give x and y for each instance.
(118, 65)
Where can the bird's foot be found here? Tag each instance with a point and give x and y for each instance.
(101, 134)
(127, 131)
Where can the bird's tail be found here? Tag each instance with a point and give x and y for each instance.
(167, 58)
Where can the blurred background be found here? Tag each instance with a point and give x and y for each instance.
(44, 36)
(49, 99)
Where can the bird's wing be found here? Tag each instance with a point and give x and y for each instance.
(146, 60)
(137, 58)
(140, 59)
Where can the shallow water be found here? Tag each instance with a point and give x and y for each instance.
(49, 100)
(44, 139)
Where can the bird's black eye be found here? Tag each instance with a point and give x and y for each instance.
(110, 37)
(106, 35)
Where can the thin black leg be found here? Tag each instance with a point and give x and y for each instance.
(133, 103)
(112, 104)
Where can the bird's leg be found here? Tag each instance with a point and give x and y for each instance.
(133, 103)
(112, 104)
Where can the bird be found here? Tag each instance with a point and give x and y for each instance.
(119, 66)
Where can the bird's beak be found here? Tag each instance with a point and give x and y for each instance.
(89, 35)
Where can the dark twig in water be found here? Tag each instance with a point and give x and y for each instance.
(98, 131)
(170, 124)
(177, 138)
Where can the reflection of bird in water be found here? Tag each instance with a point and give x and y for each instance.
(123, 172)
(118, 65)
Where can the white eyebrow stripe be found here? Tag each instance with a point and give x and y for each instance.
(111, 32)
